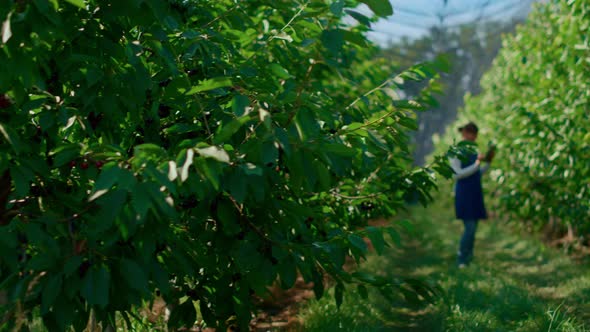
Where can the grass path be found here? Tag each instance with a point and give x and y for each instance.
(514, 284)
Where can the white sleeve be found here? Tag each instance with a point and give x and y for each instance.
(461, 173)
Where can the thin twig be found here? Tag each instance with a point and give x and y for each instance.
(300, 92)
(251, 133)
(370, 123)
(374, 174)
(369, 92)
(301, 9)
(246, 220)
(354, 197)
(220, 16)
(206, 124)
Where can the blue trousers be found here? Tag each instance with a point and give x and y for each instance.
(467, 242)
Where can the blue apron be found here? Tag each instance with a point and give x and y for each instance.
(469, 194)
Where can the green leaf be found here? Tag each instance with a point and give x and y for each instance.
(210, 84)
(333, 40)
(379, 141)
(65, 153)
(359, 17)
(160, 278)
(181, 128)
(324, 176)
(77, 3)
(95, 286)
(376, 237)
(356, 128)
(251, 169)
(228, 130)
(134, 275)
(111, 205)
(338, 149)
(270, 152)
(211, 172)
(306, 124)
(408, 104)
(395, 237)
(8, 239)
(107, 178)
(149, 151)
(140, 198)
(12, 138)
(408, 123)
(365, 277)
(22, 177)
(318, 284)
(183, 315)
(237, 186)
(246, 256)
(239, 104)
(287, 270)
(407, 225)
(339, 294)
(164, 52)
(337, 7)
(279, 71)
(72, 265)
(50, 292)
(382, 8)
(228, 217)
(358, 242)
(355, 38)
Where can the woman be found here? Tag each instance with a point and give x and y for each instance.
(469, 203)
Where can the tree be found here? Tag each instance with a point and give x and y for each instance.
(195, 149)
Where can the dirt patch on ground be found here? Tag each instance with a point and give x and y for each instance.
(278, 312)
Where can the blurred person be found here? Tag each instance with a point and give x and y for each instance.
(469, 201)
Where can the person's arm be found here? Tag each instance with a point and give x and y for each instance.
(461, 173)
(488, 161)
(483, 168)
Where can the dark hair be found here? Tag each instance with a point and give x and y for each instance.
(469, 127)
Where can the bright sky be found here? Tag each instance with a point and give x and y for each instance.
(413, 18)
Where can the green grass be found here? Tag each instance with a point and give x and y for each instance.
(514, 284)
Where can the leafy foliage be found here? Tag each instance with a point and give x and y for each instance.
(535, 105)
(199, 149)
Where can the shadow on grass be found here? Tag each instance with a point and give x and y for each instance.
(515, 284)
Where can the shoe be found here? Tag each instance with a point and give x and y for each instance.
(462, 266)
